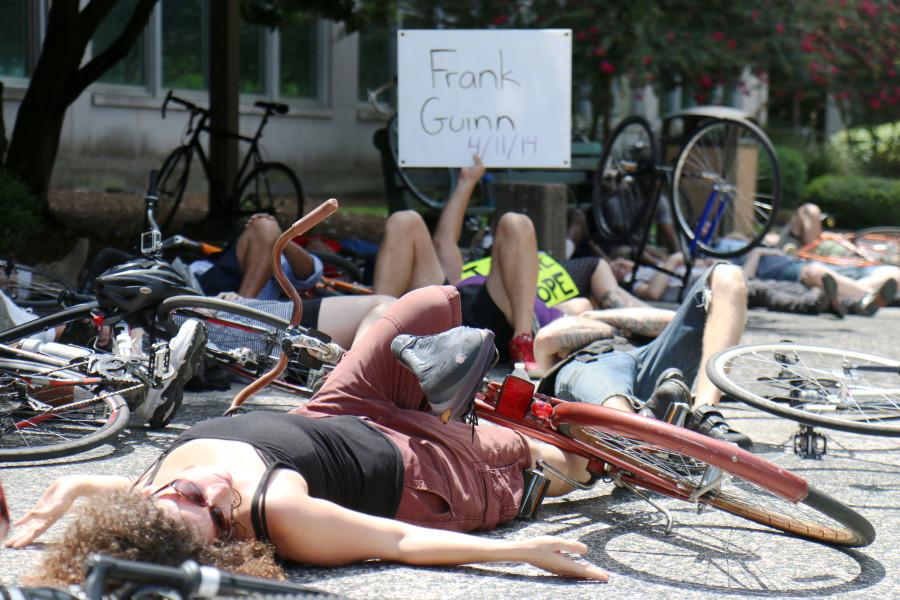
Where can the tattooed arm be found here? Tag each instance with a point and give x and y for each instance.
(560, 338)
(645, 322)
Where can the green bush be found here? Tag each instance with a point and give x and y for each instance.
(857, 201)
(793, 176)
(20, 217)
(829, 159)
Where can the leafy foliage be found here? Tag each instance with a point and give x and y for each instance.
(857, 201)
(792, 166)
(20, 214)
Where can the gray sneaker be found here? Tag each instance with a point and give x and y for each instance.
(185, 357)
(449, 366)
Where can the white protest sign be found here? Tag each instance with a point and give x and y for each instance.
(502, 94)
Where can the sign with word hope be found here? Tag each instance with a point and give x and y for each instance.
(554, 283)
(504, 95)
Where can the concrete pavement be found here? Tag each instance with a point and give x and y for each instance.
(707, 555)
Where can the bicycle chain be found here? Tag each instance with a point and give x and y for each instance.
(88, 401)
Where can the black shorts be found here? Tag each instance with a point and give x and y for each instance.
(480, 310)
(225, 275)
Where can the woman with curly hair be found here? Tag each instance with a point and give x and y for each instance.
(369, 468)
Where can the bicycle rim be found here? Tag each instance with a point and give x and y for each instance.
(241, 337)
(33, 288)
(625, 180)
(880, 243)
(671, 471)
(272, 188)
(65, 418)
(827, 387)
(173, 178)
(726, 187)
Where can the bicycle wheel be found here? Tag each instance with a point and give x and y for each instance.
(827, 387)
(687, 465)
(241, 337)
(339, 267)
(48, 326)
(881, 243)
(726, 188)
(173, 178)
(33, 288)
(625, 180)
(58, 413)
(432, 186)
(272, 188)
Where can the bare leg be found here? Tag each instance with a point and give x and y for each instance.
(848, 289)
(724, 324)
(406, 257)
(254, 254)
(512, 282)
(344, 318)
(575, 467)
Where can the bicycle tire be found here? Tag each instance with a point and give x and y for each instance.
(881, 243)
(813, 385)
(736, 155)
(173, 178)
(47, 322)
(34, 288)
(339, 267)
(26, 434)
(239, 337)
(671, 460)
(272, 188)
(625, 180)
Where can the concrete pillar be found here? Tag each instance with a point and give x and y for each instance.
(224, 95)
(545, 203)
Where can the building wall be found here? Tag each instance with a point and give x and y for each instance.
(113, 135)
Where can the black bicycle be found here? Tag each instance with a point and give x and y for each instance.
(260, 185)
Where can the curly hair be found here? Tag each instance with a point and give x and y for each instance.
(129, 526)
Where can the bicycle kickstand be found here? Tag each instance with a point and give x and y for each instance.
(670, 522)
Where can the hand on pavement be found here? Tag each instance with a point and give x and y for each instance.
(53, 504)
(551, 554)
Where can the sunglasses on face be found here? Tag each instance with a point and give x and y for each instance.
(191, 492)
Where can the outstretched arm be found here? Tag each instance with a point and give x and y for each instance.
(57, 499)
(316, 531)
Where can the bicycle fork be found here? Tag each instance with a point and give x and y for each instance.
(716, 201)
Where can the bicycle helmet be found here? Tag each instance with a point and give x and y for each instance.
(138, 284)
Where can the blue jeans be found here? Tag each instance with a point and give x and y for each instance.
(634, 373)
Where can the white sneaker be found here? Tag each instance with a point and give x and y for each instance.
(185, 355)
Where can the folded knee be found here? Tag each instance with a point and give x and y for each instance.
(404, 222)
(514, 224)
(728, 281)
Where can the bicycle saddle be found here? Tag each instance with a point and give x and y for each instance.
(276, 107)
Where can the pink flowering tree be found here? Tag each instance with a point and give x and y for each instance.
(803, 48)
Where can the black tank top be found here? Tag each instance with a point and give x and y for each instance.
(341, 458)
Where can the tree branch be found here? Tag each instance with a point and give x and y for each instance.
(116, 51)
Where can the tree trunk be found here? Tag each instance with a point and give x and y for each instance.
(58, 80)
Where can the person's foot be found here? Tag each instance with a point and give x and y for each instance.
(670, 389)
(185, 357)
(709, 421)
(829, 301)
(521, 349)
(869, 304)
(449, 366)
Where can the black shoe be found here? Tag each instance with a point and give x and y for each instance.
(709, 421)
(829, 302)
(670, 389)
(869, 304)
(449, 366)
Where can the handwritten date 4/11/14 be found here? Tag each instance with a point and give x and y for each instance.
(507, 146)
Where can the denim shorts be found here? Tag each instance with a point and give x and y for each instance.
(634, 373)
